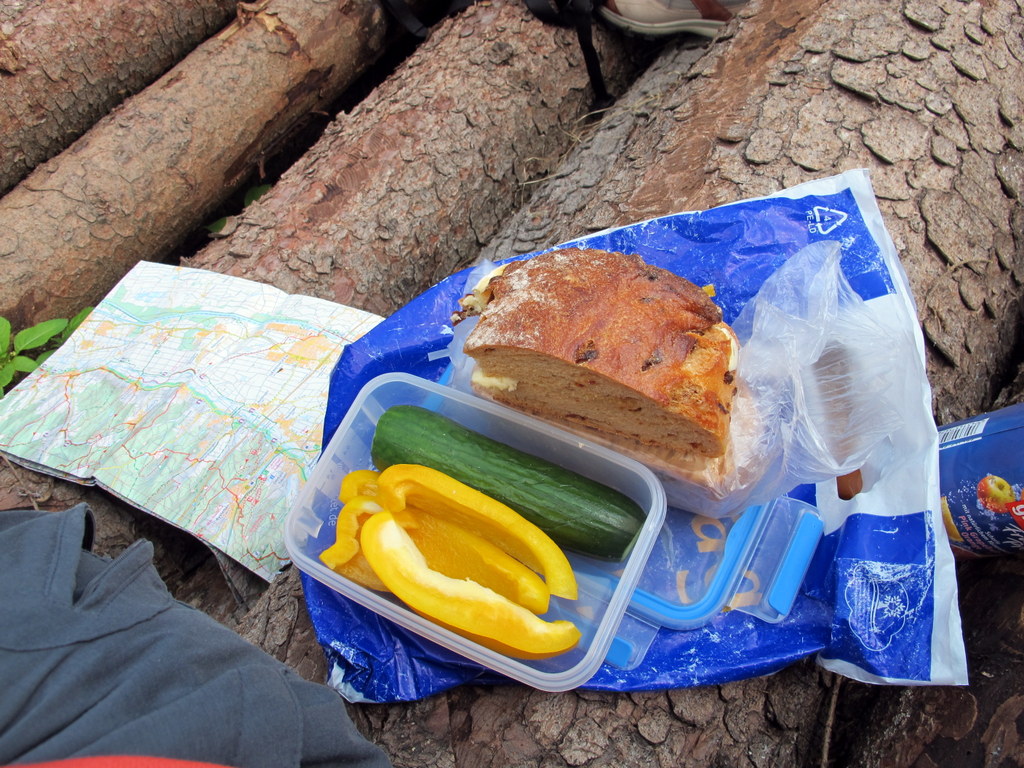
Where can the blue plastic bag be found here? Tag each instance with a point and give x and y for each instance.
(879, 600)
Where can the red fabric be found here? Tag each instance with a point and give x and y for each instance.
(122, 761)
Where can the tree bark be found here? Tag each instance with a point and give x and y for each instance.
(405, 189)
(750, 723)
(278, 623)
(65, 65)
(151, 171)
(927, 99)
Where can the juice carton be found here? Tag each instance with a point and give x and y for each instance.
(981, 477)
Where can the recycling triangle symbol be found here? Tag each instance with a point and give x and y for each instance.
(828, 219)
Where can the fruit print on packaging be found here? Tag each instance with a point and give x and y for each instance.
(980, 467)
(987, 516)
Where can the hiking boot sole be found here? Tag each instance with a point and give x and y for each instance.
(704, 27)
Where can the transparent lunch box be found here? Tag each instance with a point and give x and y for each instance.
(682, 571)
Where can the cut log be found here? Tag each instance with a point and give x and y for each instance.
(403, 191)
(927, 100)
(65, 65)
(152, 171)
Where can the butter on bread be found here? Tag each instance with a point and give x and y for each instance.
(609, 344)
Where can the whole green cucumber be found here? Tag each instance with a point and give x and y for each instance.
(577, 513)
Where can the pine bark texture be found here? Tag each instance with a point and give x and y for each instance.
(926, 95)
(64, 65)
(153, 169)
(406, 188)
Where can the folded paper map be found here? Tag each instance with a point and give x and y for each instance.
(195, 396)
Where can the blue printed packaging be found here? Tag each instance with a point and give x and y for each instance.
(981, 479)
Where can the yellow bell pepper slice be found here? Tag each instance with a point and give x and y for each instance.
(463, 606)
(358, 482)
(447, 547)
(422, 488)
(357, 491)
(344, 556)
(460, 554)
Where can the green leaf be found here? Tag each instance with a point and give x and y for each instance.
(24, 364)
(254, 194)
(39, 334)
(5, 335)
(218, 225)
(76, 321)
(73, 324)
(45, 356)
(6, 375)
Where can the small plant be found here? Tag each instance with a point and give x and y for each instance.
(225, 225)
(41, 340)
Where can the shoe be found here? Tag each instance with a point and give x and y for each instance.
(668, 17)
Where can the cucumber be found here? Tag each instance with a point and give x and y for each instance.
(577, 513)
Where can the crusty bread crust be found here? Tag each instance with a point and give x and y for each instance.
(609, 343)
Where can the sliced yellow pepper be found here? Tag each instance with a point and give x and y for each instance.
(447, 547)
(344, 556)
(357, 491)
(358, 482)
(460, 554)
(460, 605)
(422, 488)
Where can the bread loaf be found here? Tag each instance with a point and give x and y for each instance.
(609, 344)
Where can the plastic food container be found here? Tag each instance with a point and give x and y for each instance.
(754, 562)
(684, 569)
(605, 588)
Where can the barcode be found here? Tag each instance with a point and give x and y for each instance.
(962, 431)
